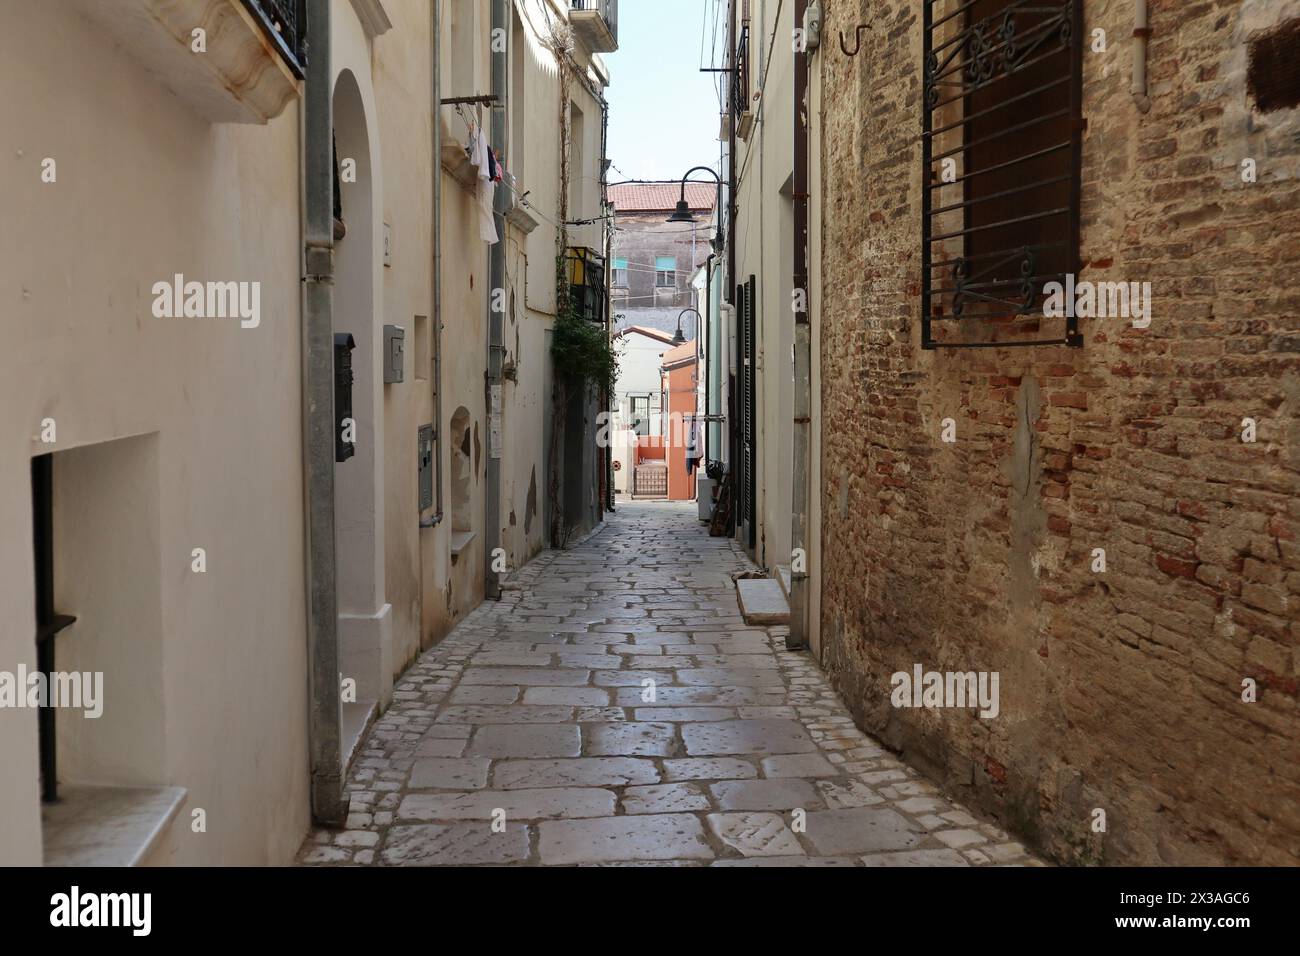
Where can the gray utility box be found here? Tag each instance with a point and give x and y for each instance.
(394, 353)
(706, 494)
(425, 457)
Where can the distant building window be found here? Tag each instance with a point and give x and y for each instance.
(640, 414)
(620, 273)
(666, 272)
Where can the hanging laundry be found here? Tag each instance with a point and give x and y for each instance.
(694, 444)
(480, 154)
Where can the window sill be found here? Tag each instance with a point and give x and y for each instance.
(460, 540)
(107, 826)
(522, 219)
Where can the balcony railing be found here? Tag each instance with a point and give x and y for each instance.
(285, 23)
(596, 23)
(740, 83)
(586, 272)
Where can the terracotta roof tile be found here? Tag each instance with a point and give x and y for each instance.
(652, 197)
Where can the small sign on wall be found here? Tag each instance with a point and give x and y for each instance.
(494, 422)
(388, 245)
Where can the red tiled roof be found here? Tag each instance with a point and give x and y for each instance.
(654, 197)
(682, 353)
(649, 333)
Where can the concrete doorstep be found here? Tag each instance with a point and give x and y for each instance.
(762, 601)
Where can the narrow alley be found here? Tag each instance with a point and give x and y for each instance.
(466, 434)
(614, 708)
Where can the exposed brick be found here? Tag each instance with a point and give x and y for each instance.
(1176, 566)
(1131, 443)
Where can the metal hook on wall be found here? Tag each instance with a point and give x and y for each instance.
(857, 40)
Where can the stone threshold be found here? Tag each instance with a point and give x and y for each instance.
(106, 826)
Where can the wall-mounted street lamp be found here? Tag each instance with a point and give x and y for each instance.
(683, 211)
(679, 338)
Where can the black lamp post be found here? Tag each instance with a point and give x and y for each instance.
(683, 211)
(679, 338)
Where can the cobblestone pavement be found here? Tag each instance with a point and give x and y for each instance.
(530, 735)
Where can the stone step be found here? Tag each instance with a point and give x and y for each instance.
(762, 602)
(782, 574)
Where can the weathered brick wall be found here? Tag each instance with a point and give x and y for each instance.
(1119, 690)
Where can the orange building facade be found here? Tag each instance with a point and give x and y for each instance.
(679, 373)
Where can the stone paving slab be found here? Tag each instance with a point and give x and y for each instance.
(762, 601)
(672, 836)
(613, 709)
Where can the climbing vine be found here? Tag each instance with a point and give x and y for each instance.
(581, 349)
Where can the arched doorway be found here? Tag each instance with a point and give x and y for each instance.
(365, 618)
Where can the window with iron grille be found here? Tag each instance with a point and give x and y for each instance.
(285, 24)
(1002, 131)
(740, 86)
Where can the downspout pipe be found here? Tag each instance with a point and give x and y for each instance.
(325, 714)
(435, 278)
(729, 288)
(799, 625)
(496, 306)
(702, 342)
(1141, 36)
(607, 209)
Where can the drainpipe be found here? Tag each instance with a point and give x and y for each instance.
(1141, 34)
(435, 278)
(798, 637)
(729, 289)
(702, 342)
(606, 209)
(496, 280)
(325, 716)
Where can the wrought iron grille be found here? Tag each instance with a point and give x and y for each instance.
(285, 22)
(740, 81)
(606, 8)
(1001, 143)
(586, 282)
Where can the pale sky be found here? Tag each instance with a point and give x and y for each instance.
(663, 116)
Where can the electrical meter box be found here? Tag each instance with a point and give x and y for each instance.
(394, 353)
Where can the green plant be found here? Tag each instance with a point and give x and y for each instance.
(580, 349)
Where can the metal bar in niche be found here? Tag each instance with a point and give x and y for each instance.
(1003, 104)
(969, 88)
(1019, 127)
(995, 345)
(1008, 164)
(1047, 214)
(966, 204)
(1002, 252)
(1056, 17)
(1015, 280)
